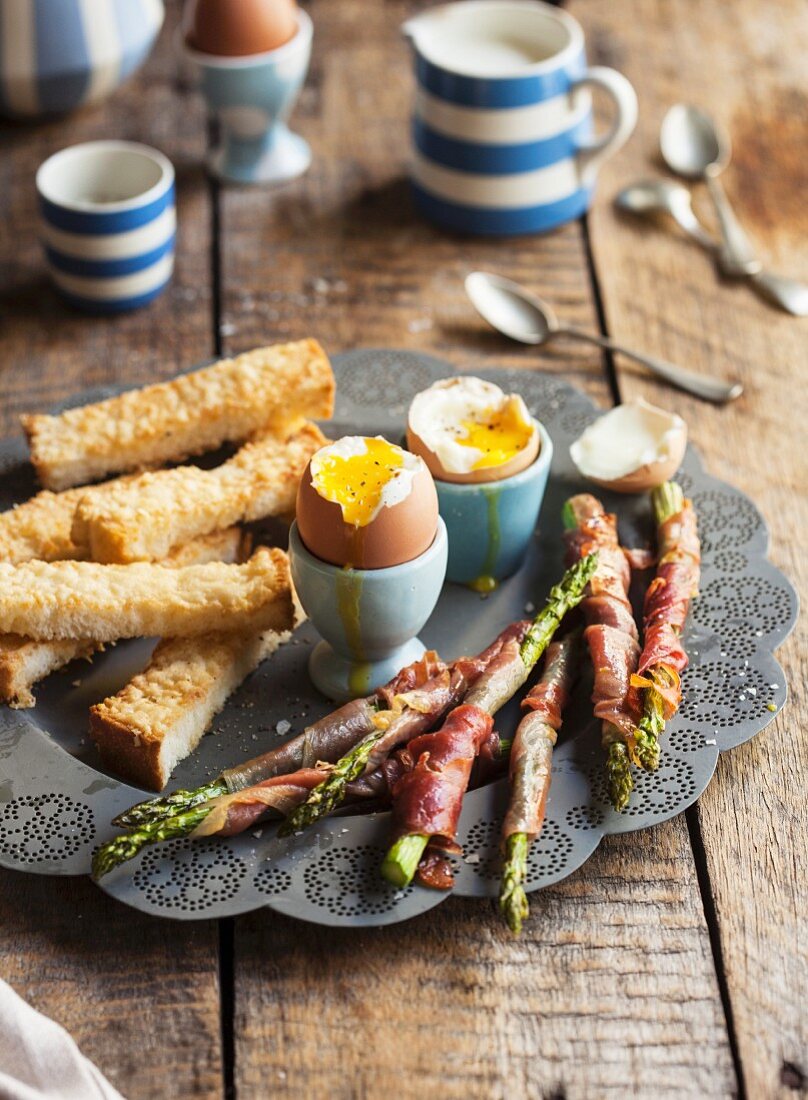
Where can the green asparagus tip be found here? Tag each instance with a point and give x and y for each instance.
(157, 809)
(513, 903)
(647, 747)
(329, 794)
(126, 847)
(618, 771)
(667, 499)
(401, 862)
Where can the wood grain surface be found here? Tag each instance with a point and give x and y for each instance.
(613, 984)
(661, 293)
(674, 962)
(141, 997)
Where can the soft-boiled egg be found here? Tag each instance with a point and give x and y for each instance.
(631, 448)
(366, 503)
(468, 430)
(238, 28)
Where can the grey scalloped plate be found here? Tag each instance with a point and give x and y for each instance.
(56, 804)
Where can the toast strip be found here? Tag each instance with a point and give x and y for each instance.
(71, 599)
(225, 403)
(143, 517)
(159, 717)
(24, 662)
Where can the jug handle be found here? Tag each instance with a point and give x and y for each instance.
(592, 155)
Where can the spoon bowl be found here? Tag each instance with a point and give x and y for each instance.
(692, 144)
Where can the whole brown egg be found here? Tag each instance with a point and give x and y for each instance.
(238, 28)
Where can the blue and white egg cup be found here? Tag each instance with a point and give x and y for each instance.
(108, 223)
(490, 525)
(369, 618)
(252, 98)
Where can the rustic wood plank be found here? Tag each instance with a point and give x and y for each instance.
(141, 997)
(607, 993)
(51, 351)
(612, 987)
(342, 253)
(660, 292)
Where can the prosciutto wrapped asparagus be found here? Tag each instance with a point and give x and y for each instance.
(427, 800)
(611, 635)
(326, 740)
(412, 702)
(530, 771)
(667, 602)
(391, 731)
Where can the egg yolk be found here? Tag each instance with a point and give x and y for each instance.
(500, 436)
(357, 483)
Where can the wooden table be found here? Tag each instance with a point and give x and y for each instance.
(674, 962)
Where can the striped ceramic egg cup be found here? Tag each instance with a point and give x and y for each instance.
(108, 223)
(502, 129)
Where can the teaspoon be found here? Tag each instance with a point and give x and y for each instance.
(522, 316)
(652, 197)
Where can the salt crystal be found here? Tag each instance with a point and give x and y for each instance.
(752, 692)
(399, 894)
(774, 687)
(710, 741)
(227, 329)
(283, 727)
(530, 608)
(473, 859)
(742, 698)
(258, 834)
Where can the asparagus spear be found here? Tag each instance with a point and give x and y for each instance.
(401, 862)
(158, 809)
(531, 771)
(127, 846)
(667, 500)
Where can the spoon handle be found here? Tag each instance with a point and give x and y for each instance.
(709, 389)
(737, 253)
(789, 294)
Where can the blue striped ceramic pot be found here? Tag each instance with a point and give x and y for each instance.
(56, 55)
(108, 223)
(502, 129)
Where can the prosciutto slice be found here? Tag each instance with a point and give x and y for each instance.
(332, 736)
(532, 750)
(233, 813)
(667, 602)
(611, 634)
(428, 798)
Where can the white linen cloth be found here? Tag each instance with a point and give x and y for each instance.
(39, 1060)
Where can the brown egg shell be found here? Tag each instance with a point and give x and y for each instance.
(399, 532)
(526, 457)
(239, 28)
(649, 476)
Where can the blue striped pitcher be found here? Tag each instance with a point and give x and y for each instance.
(502, 128)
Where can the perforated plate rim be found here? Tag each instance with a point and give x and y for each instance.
(330, 875)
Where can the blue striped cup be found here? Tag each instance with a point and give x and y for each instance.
(502, 130)
(108, 223)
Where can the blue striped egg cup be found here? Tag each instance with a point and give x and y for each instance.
(500, 151)
(490, 524)
(251, 98)
(57, 55)
(108, 223)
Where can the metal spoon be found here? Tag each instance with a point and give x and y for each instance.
(517, 313)
(653, 197)
(693, 146)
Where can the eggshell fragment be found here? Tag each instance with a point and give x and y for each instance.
(238, 28)
(397, 533)
(632, 448)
